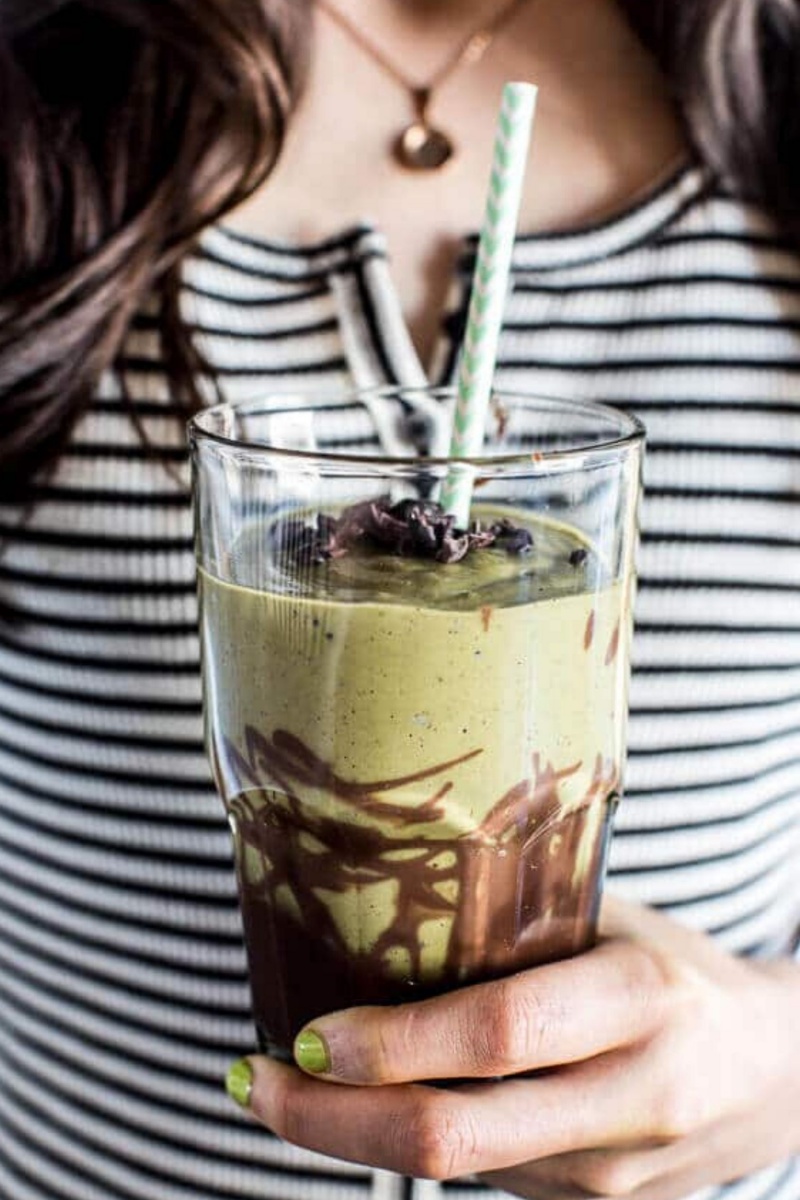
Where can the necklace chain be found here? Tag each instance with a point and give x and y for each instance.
(420, 146)
(469, 51)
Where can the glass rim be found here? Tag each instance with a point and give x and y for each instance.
(631, 433)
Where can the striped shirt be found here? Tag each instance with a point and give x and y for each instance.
(123, 988)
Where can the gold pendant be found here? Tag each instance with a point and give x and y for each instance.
(422, 147)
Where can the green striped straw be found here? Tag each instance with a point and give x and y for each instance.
(489, 286)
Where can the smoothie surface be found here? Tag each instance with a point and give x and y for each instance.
(558, 562)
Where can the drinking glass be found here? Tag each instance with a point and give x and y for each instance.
(417, 730)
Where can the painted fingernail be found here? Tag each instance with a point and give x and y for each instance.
(239, 1082)
(311, 1052)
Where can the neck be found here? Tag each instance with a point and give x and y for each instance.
(429, 16)
(419, 36)
(604, 131)
(426, 10)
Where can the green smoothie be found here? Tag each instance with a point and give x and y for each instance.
(419, 759)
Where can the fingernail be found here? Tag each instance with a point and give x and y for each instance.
(311, 1052)
(239, 1082)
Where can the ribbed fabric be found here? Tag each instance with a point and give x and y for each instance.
(123, 988)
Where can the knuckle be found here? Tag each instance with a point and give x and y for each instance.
(390, 1042)
(612, 1175)
(654, 989)
(440, 1143)
(287, 1116)
(677, 1113)
(645, 977)
(642, 969)
(394, 1046)
(513, 1029)
(666, 986)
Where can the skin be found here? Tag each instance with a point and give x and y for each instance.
(604, 132)
(667, 1064)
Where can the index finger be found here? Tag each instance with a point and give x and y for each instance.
(561, 1013)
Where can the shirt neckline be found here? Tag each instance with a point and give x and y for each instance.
(642, 219)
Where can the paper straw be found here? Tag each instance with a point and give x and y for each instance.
(489, 287)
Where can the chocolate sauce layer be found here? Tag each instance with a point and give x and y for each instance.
(502, 897)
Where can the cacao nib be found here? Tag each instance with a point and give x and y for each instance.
(513, 538)
(410, 528)
(454, 546)
(300, 541)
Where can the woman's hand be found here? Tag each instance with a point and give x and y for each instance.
(662, 1065)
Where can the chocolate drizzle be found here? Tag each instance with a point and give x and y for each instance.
(410, 528)
(508, 893)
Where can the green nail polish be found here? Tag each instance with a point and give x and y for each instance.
(239, 1082)
(311, 1052)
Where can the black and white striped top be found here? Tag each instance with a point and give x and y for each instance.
(123, 989)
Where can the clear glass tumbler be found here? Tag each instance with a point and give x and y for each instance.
(417, 729)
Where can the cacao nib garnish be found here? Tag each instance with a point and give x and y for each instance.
(370, 521)
(326, 526)
(420, 510)
(304, 543)
(424, 521)
(454, 546)
(410, 528)
(513, 538)
(480, 538)
(520, 542)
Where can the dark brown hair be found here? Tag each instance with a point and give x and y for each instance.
(734, 69)
(126, 126)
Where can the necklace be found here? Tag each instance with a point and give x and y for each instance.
(421, 146)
